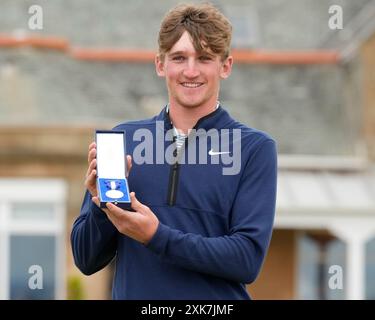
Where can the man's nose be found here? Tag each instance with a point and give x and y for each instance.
(191, 69)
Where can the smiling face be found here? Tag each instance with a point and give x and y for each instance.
(192, 78)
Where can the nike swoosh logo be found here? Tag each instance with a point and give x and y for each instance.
(215, 153)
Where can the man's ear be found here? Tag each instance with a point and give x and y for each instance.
(226, 68)
(159, 66)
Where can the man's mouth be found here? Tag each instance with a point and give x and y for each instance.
(191, 84)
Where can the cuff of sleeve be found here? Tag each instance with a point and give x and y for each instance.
(98, 214)
(158, 242)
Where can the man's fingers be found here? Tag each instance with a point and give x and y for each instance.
(92, 145)
(90, 183)
(96, 201)
(116, 212)
(92, 155)
(91, 176)
(129, 164)
(92, 166)
(113, 209)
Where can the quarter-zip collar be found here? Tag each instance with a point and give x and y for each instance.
(215, 119)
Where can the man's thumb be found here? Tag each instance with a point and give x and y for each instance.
(96, 201)
(136, 205)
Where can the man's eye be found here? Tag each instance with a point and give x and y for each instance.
(178, 58)
(205, 58)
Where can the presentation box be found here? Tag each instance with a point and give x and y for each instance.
(111, 168)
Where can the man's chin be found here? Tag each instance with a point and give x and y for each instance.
(191, 104)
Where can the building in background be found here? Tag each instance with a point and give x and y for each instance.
(310, 87)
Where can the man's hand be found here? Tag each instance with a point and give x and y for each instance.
(90, 182)
(140, 225)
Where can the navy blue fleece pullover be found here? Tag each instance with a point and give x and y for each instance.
(214, 228)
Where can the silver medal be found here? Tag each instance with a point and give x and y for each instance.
(113, 193)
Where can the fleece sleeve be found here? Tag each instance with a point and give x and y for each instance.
(93, 238)
(239, 255)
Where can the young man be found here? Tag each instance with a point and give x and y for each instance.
(198, 231)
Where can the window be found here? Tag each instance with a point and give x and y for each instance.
(25, 252)
(32, 228)
(317, 252)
